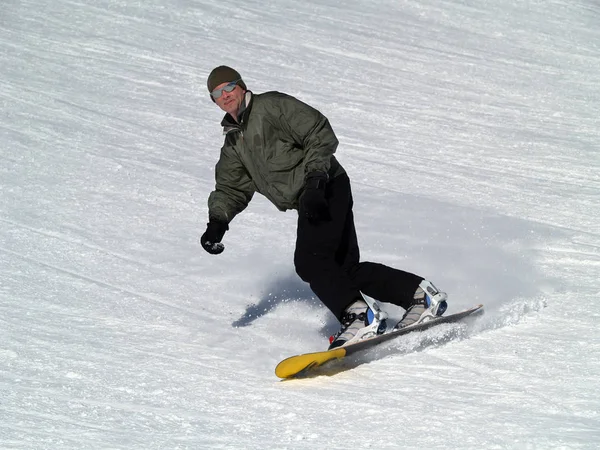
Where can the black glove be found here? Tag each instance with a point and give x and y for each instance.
(211, 239)
(313, 203)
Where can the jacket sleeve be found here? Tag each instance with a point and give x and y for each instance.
(311, 131)
(234, 187)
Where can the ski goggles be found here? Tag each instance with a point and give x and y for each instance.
(227, 88)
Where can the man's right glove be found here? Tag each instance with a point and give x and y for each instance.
(211, 239)
(313, 203)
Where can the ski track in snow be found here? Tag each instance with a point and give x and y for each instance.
(470, 131)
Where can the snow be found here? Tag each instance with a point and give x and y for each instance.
(471, 135)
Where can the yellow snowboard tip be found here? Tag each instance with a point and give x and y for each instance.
(296, 364)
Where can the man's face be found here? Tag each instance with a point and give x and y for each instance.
(230, 102)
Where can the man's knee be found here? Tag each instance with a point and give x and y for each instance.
(302, 266)
(309, 265)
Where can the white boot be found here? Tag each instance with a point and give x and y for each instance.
(359, 321)
(429, 304)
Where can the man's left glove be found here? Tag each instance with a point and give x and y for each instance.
(211, 239)
(313, 203)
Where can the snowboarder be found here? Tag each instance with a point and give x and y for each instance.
(283, 148)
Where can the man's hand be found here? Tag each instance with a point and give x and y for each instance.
(313, 203)
(211, 239)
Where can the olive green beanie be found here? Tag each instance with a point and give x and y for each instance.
(224, 74)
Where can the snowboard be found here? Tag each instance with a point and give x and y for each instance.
(300, 364)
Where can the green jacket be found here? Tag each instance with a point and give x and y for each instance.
(278, 141)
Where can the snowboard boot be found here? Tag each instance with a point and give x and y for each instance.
(359, 321)
(429, 303)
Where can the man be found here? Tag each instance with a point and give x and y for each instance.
(283, 148)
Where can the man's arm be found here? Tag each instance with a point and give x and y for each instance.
(311, 131)
(234, 188)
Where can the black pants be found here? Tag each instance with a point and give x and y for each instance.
(327, 257)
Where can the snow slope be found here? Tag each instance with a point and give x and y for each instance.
(470, 131)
